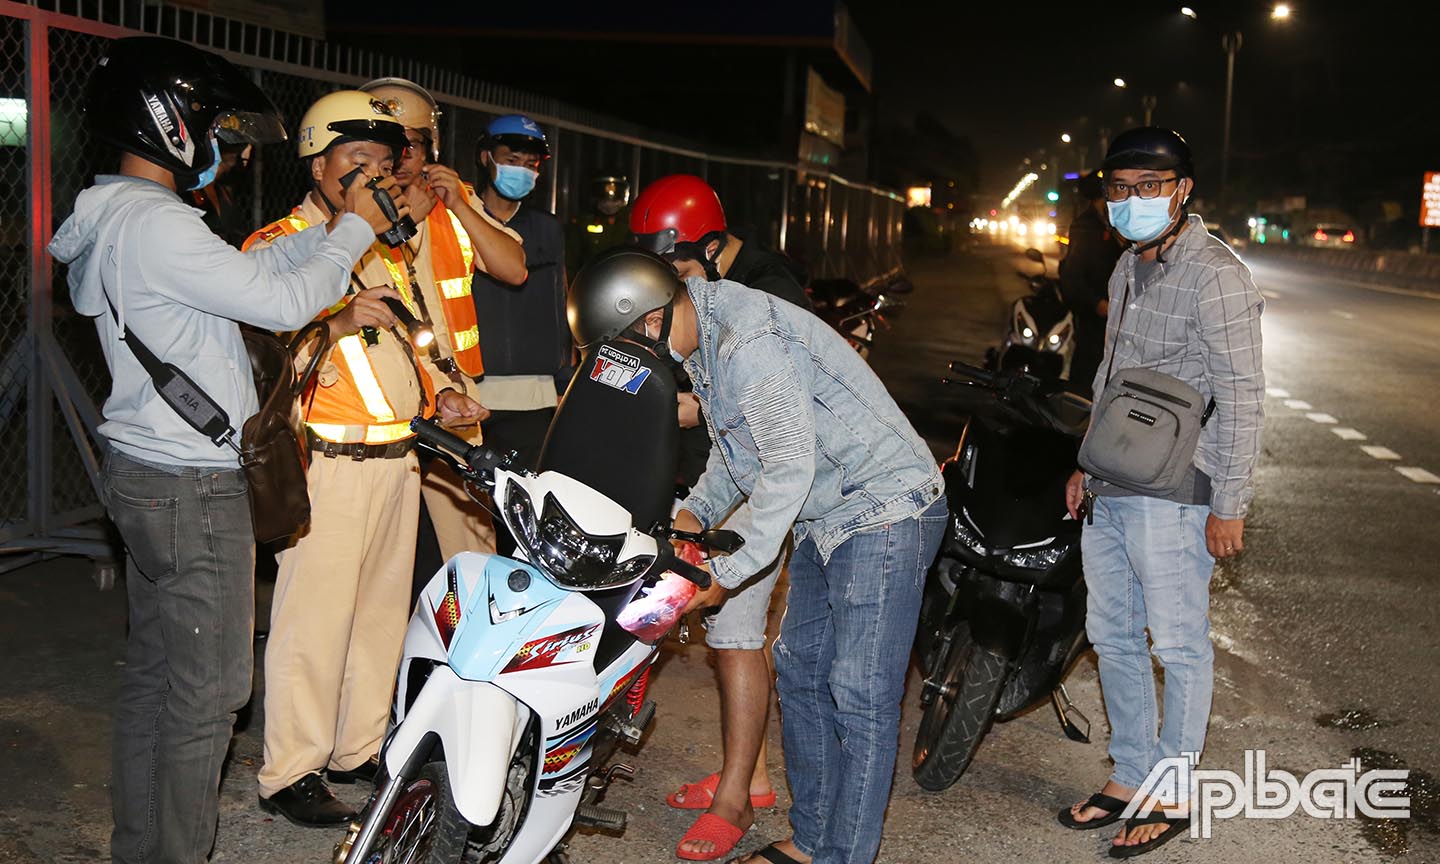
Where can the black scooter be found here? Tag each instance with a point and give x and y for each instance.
(1003, 616)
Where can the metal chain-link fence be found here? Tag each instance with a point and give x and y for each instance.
(47, 480)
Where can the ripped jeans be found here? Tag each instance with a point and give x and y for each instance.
(840, 661)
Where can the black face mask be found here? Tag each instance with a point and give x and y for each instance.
(696, 252)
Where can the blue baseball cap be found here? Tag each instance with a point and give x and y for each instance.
(517, 132)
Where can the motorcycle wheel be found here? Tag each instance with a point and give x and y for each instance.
(968, 680)
(423, 825)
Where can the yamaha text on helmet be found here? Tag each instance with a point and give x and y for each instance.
(678, 216)
(1148, 208)
(616, 290)
(172, 104)
(413, 106)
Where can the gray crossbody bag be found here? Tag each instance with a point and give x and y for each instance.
(1144, 428)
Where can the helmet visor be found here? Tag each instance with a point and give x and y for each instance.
(381, 132)
(660, 242)
(249, 127)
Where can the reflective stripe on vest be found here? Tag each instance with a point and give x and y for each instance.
(367, 390)
(452, 260)
(378, 434)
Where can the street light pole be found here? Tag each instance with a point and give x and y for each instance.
(1148, 102)
(1230, 42)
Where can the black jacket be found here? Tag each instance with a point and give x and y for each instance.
(523, 330)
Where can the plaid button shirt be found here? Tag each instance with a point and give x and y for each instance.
(1197, 318)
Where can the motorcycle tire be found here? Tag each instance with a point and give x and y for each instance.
(955, 721)
(425, 806)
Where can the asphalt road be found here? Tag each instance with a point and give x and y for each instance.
(1327, 615)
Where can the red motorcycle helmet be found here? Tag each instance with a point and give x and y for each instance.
(678, 209)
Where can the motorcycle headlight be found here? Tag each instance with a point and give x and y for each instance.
(1056, 341)
(1036, 559)
(966, 536)
(573, 558)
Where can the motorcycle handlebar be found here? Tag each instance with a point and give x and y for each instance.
(668, 560)
(975, 373)
(481, 461)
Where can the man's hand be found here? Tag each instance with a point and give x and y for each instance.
(689, 410)
(1075, 493)
(444, 184)
(360, 200)
(366, 309)
(1224, 537)
(688, 522)
(457, 409)
(705, 598)
(1103, 308)
(422, 200)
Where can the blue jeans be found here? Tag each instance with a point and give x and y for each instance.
(1146, 566)
(190, 579)
(841, 708)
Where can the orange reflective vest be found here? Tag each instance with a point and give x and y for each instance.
(354, 408)
(452, 260)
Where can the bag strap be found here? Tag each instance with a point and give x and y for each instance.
(1124, 301)
(302, 336)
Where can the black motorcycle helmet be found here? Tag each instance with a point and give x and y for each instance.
(160, 99)
(1151, 148)
(615, 290)
(609, 193)
(1089, 187)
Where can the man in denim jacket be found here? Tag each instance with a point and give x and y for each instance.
(806, 437)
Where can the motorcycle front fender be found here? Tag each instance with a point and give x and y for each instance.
(474, 723)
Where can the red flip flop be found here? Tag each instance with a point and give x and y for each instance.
(699, 796)
(714, 829)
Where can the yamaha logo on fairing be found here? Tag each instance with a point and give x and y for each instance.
(578, 714)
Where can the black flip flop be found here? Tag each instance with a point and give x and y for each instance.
(1178, 826)
(769, 853)
(1100, 801)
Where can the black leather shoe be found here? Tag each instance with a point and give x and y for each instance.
(309, 803)
(365, 772)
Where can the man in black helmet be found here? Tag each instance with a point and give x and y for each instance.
(144, 265)
(1085, 277)
(807, 444)
(1181, 304)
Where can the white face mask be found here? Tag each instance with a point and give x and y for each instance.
(1141, 219)
(677, 357)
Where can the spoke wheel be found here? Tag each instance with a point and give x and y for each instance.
(422, 826)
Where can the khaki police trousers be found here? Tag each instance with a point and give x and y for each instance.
(461, 525)
(338, 619)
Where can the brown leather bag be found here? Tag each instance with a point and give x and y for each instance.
(273, 452)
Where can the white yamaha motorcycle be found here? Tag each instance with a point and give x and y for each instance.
(520, 677)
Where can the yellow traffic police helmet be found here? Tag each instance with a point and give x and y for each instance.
(348, 115)
(412, 105)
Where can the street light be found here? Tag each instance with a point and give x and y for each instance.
(1188, 12)
(1280, 12)
(1120, 82)
(1065, 137)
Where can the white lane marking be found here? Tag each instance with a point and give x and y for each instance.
(1278, 392)
(1318, 417)
(1387, 289)
(1299, 405)
(1419, 475)
(1348, 316)
(1348, 434)
(1381, 453)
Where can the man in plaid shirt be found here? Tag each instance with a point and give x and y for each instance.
(1181, 303)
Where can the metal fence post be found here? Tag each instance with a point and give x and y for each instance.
(37, 97)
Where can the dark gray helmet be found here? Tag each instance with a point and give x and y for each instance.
(615, 290)
(1152, 148)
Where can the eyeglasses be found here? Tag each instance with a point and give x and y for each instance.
(1144, 189)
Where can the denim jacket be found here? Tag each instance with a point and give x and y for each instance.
(803, 431)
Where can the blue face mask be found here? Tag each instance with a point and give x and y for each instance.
(514, 181)
(208, 175)
(1141, 219)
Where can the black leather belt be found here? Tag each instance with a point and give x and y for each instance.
(359, 452)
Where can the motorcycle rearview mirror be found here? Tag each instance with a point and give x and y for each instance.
(721, 540)
(1035, 255)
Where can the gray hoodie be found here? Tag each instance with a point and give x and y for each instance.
(181, 290)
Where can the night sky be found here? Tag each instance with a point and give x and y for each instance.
(1335, 102)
